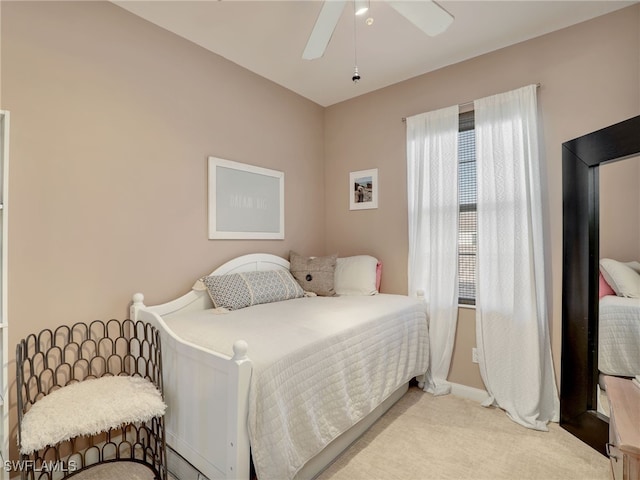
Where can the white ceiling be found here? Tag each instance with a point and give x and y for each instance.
(268, 37)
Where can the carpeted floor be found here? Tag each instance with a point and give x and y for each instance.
(116, 470)
(427, 438)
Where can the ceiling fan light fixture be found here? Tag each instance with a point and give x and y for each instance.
(427, 15)
(362, 6)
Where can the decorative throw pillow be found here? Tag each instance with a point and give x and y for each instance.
(240, 290)
(356, 275)
(624, 280)
(314, 274)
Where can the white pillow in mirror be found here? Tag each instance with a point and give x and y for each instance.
(634, 265)
(356, 275)
(624, 280)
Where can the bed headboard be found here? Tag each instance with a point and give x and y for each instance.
(251, 263)
(198, 298)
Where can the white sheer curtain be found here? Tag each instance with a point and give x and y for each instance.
(432, 184)
(511, 309)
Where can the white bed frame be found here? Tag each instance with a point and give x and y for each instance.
(215, 439)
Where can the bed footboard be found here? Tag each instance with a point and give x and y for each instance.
(207, 396)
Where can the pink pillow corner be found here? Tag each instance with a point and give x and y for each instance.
(378, 274)
(604, 288)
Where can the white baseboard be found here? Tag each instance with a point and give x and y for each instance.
(471, 393)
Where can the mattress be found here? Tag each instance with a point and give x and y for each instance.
(619, 336)
(320, 364)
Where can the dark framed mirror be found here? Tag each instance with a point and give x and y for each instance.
(581, 159)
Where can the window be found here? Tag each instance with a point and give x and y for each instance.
(467, 218)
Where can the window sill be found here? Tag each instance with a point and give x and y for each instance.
(472, 307)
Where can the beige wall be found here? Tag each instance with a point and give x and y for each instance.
(112, 122)
(113, 118)
(590, 76)
(620, 210)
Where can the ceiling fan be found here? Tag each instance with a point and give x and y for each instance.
(427, 15)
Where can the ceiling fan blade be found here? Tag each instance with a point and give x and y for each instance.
(427, 15)
(323, 29)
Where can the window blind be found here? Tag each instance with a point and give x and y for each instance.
(467, 201)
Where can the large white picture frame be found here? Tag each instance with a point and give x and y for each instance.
(245, 201)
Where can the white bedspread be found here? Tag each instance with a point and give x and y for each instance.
(619, 336)
(320, 365)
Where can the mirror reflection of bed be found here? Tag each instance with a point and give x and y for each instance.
(619, 317)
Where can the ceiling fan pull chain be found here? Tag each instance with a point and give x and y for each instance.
(356, 76)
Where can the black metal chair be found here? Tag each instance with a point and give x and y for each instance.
(91, 395)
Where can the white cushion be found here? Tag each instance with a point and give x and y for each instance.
(356, 275)
(88, 408)
(634, 265)
(624, 280)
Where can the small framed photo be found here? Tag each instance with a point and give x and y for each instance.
(363, 189)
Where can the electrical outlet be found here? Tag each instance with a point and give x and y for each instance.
(474, 355)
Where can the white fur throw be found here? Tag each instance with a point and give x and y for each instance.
(88, 408)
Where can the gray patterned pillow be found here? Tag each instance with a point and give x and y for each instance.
(240, 290)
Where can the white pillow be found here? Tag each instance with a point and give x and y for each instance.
(356, 275)
(634, 265)
(624, 280)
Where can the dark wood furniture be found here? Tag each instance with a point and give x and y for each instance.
(581, 158)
